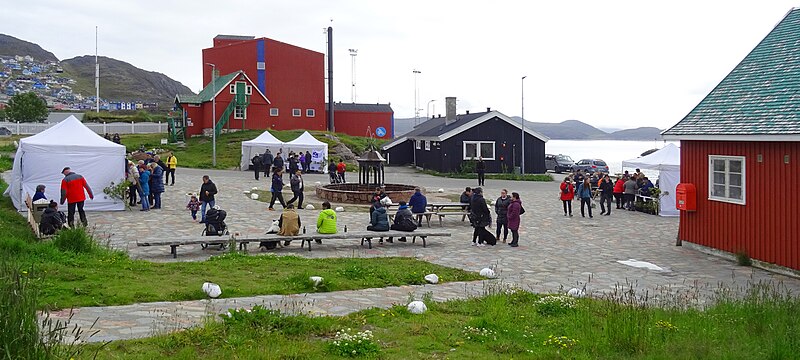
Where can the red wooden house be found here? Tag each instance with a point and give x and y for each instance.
(740, 148)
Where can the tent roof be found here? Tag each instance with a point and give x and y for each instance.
(265, 138)
(306, 139)
(70, 133)
(667, 158)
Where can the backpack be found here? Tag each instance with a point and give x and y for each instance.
(521, 210)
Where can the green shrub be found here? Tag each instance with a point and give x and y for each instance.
(743, 259)
(75, 240)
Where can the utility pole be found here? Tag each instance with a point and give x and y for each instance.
(213, 114)
(416, 97)
(96, 74)
(353, 53)
(522, 167)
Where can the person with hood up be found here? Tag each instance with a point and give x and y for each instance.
(379, 220)
(403, 220)
(480, 218)
(52, 219)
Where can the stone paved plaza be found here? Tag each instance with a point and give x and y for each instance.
(555, 251)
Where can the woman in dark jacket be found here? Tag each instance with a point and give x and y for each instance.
(403, 220)
(156, 184)
(480, 217)
(277, 188)
(606, 194)
(514, 209)
(500, 208)
(379, 220)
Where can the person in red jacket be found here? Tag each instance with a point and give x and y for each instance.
(567, 194)
(619, 187)
(341, 168)
(72, 190)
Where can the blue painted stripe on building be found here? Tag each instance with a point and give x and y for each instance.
(262, 74)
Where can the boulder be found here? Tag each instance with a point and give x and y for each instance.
(339, 209)
(316, 280)
(309, 207)
(254, 188)
(487, 272)
(440, 190)
(417, 307)
(212, 290)
(254, 196)
(432, 278)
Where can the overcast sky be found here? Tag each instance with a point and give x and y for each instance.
(616, 64)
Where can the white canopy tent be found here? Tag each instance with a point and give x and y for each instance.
(318, 150)
(41, 157)
(667, 161)
(258, 146)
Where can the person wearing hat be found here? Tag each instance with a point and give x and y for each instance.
(72, 191)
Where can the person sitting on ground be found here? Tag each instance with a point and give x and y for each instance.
(52, 219)
(403, 220)
(289, 224)
(39, 194)
(466, 198)
(379, 220)
(419, 204)
(326, 222)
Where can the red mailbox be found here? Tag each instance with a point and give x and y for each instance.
(686, 197)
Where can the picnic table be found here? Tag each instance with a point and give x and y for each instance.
(443, 209)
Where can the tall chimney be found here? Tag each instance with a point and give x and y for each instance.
(450, 110)
(331, 126)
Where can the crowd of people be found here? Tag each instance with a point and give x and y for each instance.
(268, 163)
(589, 186)
(148, 179)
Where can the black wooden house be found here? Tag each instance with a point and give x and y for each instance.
(445, 143)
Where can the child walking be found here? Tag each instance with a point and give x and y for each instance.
(193, 206)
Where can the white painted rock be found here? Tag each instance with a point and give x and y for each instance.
(576, 293)
(417, 307)
(246, 192)
(212, 290)
(492, 203)
(254, 188)
(316, 280)
(254, 196)
(317, 183)
(339, 209)
(440, 190)
(432, 278)
(309, 207)
(486, 272)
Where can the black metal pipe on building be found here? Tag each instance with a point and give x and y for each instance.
(331, 127)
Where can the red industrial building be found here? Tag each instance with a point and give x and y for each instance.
(293, 80)
(740, 149)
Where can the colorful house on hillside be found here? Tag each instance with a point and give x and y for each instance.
(740, 148)
(239, 105)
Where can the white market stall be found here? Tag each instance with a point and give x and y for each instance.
(41, 157)
(318, 149)
(667, 161)
(259, 145)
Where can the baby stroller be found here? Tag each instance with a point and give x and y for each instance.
(215, 226)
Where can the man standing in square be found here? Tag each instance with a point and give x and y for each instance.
(72, 190)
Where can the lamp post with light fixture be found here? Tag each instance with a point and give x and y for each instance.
(522, 167)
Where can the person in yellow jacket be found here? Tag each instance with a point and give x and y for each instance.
(172, 164)
(326, 222)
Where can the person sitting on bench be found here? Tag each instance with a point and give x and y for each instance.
(52, 219)
(289, 224)
(379, 220)
(403, 220)
(418, 203)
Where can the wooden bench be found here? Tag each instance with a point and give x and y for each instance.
(243, 241)
(417, 216)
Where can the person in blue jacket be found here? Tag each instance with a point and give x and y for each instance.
(277, 188)
(156, 184)
(585, 194)
(144, 177)
(418, 204)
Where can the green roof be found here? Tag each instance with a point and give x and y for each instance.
(761, 96)
(207, 93)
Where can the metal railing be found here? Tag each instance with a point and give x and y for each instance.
(18, 128)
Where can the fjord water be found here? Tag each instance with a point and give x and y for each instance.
(614, 152)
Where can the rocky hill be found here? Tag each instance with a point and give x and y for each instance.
(11, 46)
(122, 81)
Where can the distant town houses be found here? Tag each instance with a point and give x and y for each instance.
(21, 74)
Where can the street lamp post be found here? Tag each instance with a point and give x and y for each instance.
(213, 114)
(416, 97)
(428, 113)
(353, 53)
(522, 167)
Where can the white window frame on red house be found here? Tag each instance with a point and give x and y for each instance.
(232, 88)
(477, 153)
(311, 113)
(297, 112)
(239, 112)
(274, 112)
(719, 179)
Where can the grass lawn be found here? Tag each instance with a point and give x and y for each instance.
(72, 273)
(516, 325)
(197, 152)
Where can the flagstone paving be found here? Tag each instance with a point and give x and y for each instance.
(555, 252)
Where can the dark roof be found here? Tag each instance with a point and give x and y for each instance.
(437, 126)
(761, 96)
(234, 37)
(379, 108)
